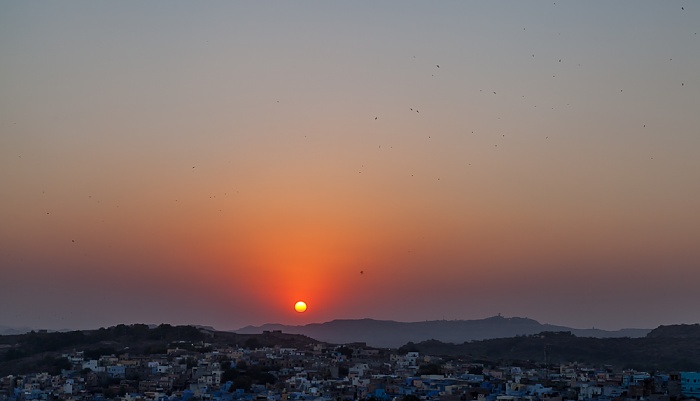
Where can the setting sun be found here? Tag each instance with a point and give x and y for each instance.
(300, 306)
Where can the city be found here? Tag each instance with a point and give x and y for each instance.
(315, 371)
(349, 200)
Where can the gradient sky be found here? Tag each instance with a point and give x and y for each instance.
(212, 163)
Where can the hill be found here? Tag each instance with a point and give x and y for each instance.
(666, 348)
(41, 351)
(676, 331)
(391, 334)
(662, 349)
(6, 330)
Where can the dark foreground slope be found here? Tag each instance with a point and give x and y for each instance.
(35, 352)
(667, 348)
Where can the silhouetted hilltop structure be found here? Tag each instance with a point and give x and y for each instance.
(391, 334)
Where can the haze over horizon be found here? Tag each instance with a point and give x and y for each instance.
(441, 320)
(297, 324)
(214, 163)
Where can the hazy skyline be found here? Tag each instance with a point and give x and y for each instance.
(213, 163)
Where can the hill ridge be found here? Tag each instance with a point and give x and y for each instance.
(393, 334)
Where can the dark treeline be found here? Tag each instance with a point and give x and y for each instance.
(37, 342)
(42, 351)
(662, 350)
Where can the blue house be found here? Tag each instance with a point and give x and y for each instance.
(380, 393)
(690, 384)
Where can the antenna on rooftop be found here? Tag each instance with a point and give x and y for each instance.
(546, 366)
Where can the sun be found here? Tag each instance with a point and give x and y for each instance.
(300, 306)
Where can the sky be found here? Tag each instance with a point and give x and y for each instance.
(214, 162)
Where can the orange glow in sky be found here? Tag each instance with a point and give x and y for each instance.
(215, 165)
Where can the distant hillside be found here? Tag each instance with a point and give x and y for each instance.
(6, 330)
(391, 334)
(676, 331)
(41, 351)
(662, 349)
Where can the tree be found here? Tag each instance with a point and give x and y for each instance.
(191, 362)
(429, 369)
(229, 375)
(409, 347)
(252, 343)
(55, 365)
(476, 370)
(242, 382)
(347, 351)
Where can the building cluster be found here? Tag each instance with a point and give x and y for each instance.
(323, 372)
